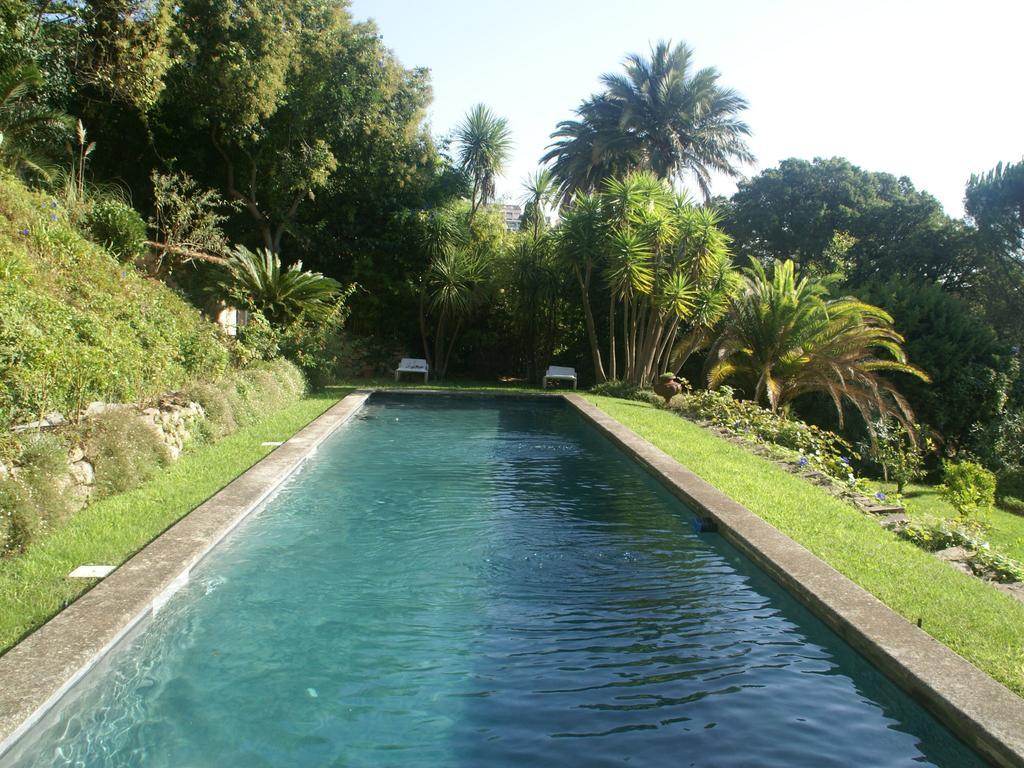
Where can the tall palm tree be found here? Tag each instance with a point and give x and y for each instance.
(660, 115)
(786, 337)
(484, 142)
(540, 193)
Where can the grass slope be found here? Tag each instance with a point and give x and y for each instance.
(35, 586)
(76, 325)
(977, 621)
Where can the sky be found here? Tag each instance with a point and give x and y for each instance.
(930, 90)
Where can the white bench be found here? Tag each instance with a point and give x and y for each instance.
(560, 373)
(413, 365)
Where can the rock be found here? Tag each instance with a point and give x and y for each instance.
(174, 452)
(95, 409)
(82, 473)
(891, 521)
(54, 419)
(76, 454)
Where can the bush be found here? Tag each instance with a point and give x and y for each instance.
(1012, 504)
(243, 396)
(257, 340)
(933, 535)
(818, 448)
(123, 451)
(894, 450)
(968, 487)
(622, 390)
(33, 499)
(318, 345)
(119, 228)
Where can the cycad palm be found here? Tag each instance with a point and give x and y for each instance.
(19, 117)
(786, 337)
(484, 141)
(281, 295)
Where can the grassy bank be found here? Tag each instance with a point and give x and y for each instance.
(34, 586)
(977, 621)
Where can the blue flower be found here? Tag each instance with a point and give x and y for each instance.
(880, 496)
(53, 203)
(844, 460)
(53, 217)
(803, 461)
(23, 232)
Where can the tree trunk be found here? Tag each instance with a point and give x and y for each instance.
(612, 367)
(588, 317)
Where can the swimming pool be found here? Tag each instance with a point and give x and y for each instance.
(481, 582)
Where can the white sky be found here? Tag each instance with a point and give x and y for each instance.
(930, 90)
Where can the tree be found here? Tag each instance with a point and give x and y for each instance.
(661, 115)
(484, 142)
(657, 253)
(278, 103)
(995, 204)
(785, 337)
(797, 209)
(540, 194)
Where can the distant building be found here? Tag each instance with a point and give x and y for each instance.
(512, 215)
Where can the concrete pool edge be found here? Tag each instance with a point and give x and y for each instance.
(980, 711)
(37, 672)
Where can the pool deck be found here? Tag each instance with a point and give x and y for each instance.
(36, 673)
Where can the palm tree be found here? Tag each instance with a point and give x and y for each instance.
(786, 337)
(484, 142)
(281, 295)
(541, 191)
(590, 149)
(660, 115)
(19, 117)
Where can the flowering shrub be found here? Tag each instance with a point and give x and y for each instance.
(818, 448)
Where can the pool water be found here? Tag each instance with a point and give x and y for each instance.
(455, 581)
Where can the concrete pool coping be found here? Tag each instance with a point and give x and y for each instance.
(985, 714)
(39, 671)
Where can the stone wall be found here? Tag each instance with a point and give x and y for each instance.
(173, 419)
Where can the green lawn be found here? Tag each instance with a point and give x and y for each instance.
(34, 586)
(1005, 529)
(976, 620)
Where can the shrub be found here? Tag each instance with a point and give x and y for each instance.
(818, 448)
(968, 487)
(1012, 504)
(895, 450)
(257, 340)
(317, 344)
(119, 228)
(622, 390)
(124, 451)
(33, 499)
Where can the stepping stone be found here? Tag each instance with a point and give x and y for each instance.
(91, 571)
(883, 509)
(890, 521)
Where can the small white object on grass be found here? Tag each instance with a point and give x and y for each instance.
(91, 571)
(271, 443)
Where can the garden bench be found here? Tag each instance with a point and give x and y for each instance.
(413, 365)
(560, 373)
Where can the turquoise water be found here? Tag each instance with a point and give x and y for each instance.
(482, 582)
